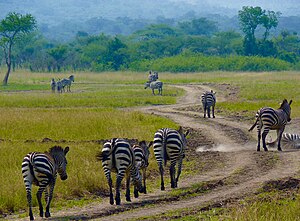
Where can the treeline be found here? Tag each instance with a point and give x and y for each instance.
(194, 45)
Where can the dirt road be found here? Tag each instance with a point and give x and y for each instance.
(229, 166)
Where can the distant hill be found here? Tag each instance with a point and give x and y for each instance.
(61, 20)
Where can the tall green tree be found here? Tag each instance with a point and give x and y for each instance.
(12, 28)
(252, 17)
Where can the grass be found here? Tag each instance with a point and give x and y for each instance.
(96, 109)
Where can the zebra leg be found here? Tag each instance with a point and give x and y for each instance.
(208, 112)
(279, 136)
(49, 198)
(178, 172)
(118, 185)
(258, 138)
(153, 91)
(205, 111)
(127, 195)
(111, 195)
(213, 111)
(161, 170)
(39, 198)
(264, 135)
(29, 200)
(144, 179)
(172, 175)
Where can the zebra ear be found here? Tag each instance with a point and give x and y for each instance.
(290, 102)
(66, 150)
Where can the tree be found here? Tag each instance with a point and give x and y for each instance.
(250, 18)
(12, 29)
(200, 26)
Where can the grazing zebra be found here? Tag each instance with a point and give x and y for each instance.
(141, 153)
(41, 169)
(271, 119)
(53, 85)
(155, 85)
(288, 140)
(170, 145)
(117, 156)
(66, 82)
(208, 99)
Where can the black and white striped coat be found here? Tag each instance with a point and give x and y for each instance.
(142, 153)
(155, 85)
(67, 82)
(288, 140)
(118, 156)
(41, 169)
(53, 85)
(208, 99)
(268, 119)
(169, 144)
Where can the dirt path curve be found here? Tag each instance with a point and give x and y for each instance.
(232, 169)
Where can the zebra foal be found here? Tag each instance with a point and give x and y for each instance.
(142, 153)
(268, 119)
(208, 99)
(41, 170)
(288, 140)
(155, 85)
(117, 156)
(169, 144)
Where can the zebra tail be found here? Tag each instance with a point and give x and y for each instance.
(251, 128)
(165, 152)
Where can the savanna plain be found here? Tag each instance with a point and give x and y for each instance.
(223, 178)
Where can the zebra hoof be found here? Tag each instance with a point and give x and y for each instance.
(279, 149)
(162, 188)
(47, 214)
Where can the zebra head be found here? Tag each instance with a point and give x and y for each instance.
(59, 156)
(286, 107)
(72, 78)
(146, 151)
(183, 135)
(147, 84)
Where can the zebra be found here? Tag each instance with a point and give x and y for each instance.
(41, 169)
(59, 86)
(155, 85)
(152, 76)
(53, 85)
(288, 140)
(142, 153)
(271, 119)
(66, 82)
(117, 156)
(208, 99)
(169, 144)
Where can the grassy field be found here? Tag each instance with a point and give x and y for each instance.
(94, 111)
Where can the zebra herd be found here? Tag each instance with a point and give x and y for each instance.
(60, 85)
(117, 156)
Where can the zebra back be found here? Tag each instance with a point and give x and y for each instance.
(169, 144)
(208, 98)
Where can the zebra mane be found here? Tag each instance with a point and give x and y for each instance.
(55, 149)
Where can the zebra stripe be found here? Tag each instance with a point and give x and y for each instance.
(288, 140)
(142, 153)
(208, 99)
(41, 169)
(66, 82)
(269, 119)
(117, 156)
(170, 145)
(154, 85)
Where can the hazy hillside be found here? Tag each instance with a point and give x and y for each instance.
(65, 18)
